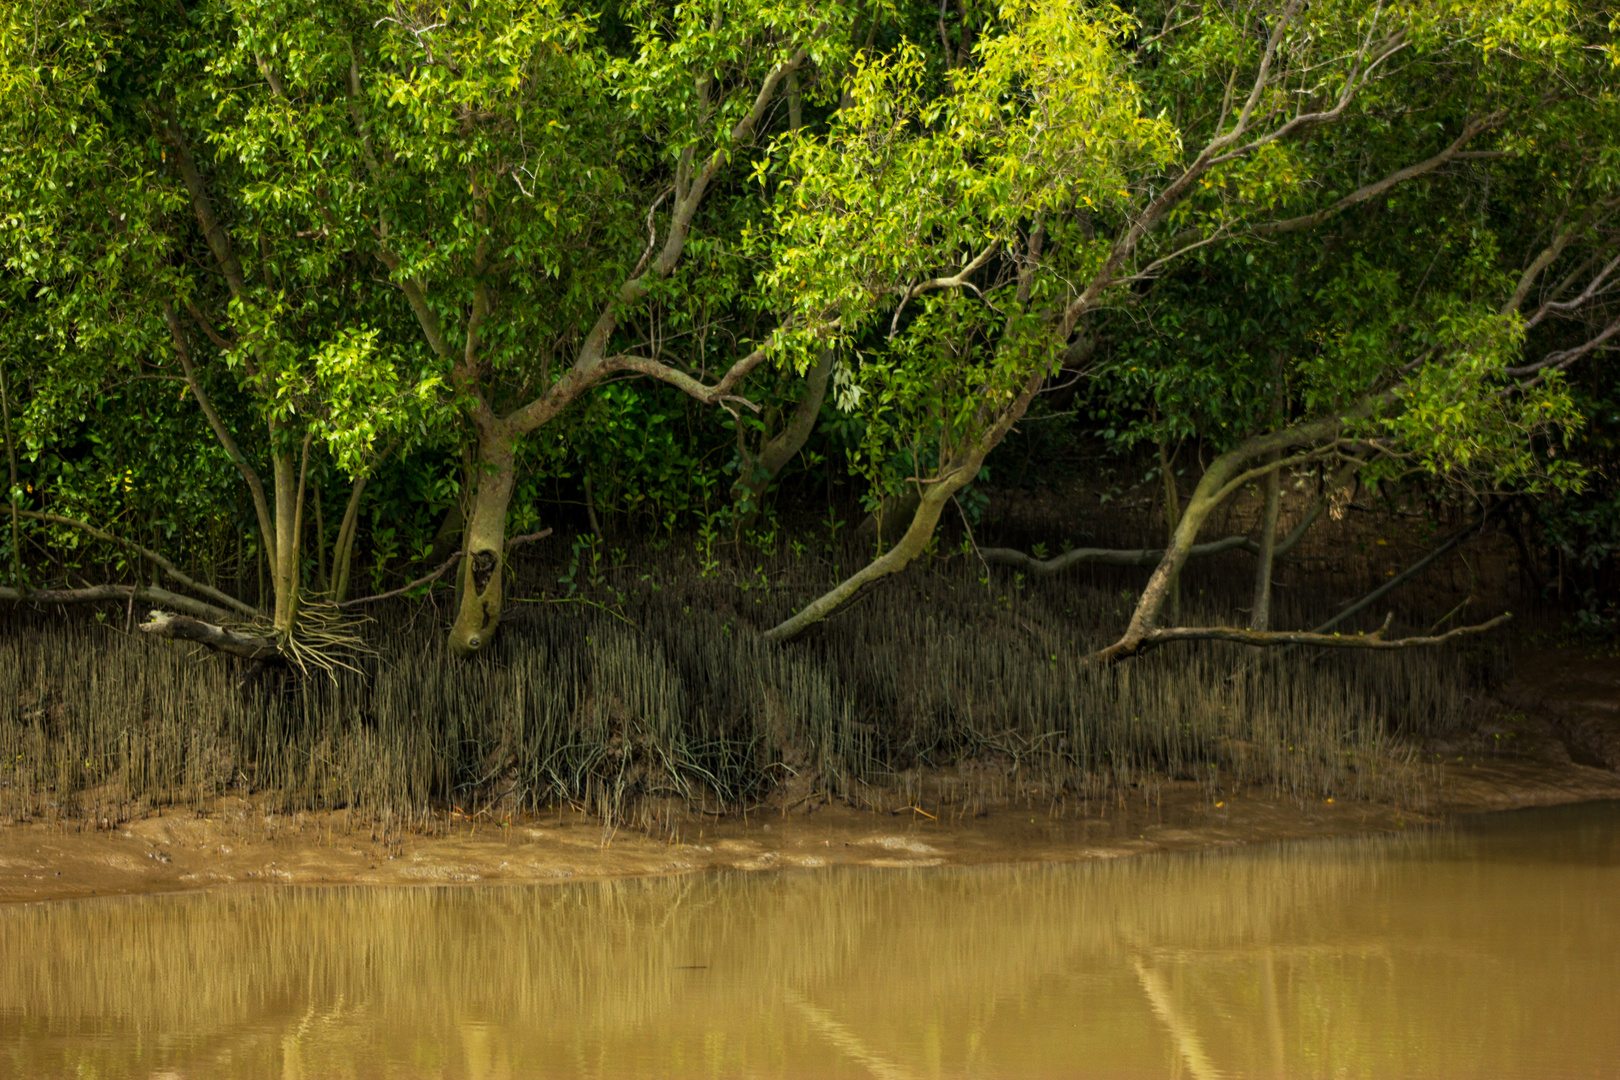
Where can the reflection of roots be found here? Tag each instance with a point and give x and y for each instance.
(1187, 1040)
(845, 1039)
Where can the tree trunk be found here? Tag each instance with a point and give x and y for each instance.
(1223, 476)
(1172, 518)
(1260, 613)
(322, 582)
(480, 574)
(11, 459)
(284, 571)
(343, 547)
(448, 537)
(758, 472)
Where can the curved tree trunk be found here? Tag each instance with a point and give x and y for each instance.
(480, 574)
(1223, 476)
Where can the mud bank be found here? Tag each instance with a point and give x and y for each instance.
(239, 845)
(1546, 742)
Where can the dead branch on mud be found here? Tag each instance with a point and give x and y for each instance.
(219, 638)
(1267, 638)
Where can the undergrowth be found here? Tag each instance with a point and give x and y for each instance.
(634, 679)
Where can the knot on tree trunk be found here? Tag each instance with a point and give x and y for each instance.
(483, 568)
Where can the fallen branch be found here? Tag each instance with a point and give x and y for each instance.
(95, 594)
(443, 569)
(184, 628)
(1266, 638)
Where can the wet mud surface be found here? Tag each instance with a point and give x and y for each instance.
(1554, 737)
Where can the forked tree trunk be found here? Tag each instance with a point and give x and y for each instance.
(343, 546)
(480, 573)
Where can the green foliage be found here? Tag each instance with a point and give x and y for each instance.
(393, 231)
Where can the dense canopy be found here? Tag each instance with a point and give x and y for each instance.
(306, 301)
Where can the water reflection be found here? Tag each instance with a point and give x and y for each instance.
(1484, 951)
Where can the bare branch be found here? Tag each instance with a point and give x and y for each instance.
(1563, 358)
(1564, 307)
(1546, 258)
(1267, 638)
(185, 628)
(956, 281)
(1406, 575)
(1145, 556)
(718, 394)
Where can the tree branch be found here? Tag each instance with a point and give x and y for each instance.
(218, 238)
(956, 281)
(1546, 258)
(1406, 575)
(443, 569)
(1563, 358)
(1265, 638)
(1563, 307)
(1371, 191)
(718, 394)
(261, 504)
(96, 594)
(1145, 556)
(167, 567)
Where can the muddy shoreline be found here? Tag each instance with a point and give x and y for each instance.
(239, 845)
(1546, 741)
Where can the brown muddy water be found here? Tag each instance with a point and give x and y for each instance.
(1490, 948)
